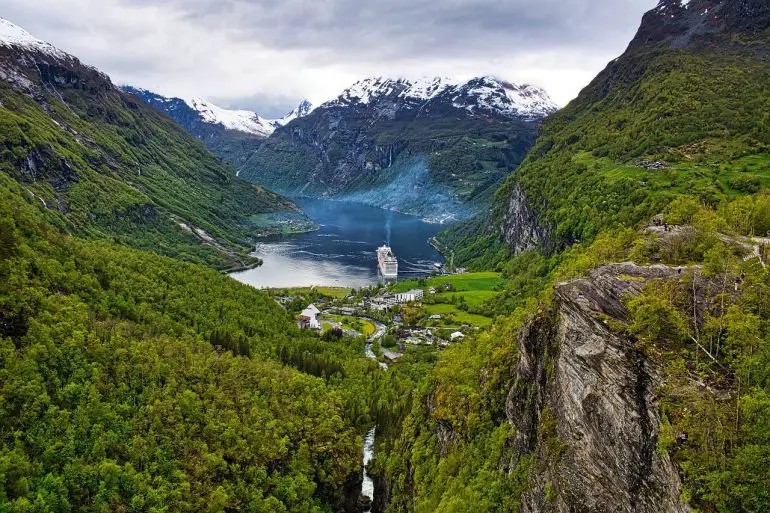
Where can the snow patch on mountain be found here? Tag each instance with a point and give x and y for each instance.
(482, 95)
(16, 37)
(240, 120)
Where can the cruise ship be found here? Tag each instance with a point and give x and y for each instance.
(388, 263)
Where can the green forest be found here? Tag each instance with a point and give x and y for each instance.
(136, 382)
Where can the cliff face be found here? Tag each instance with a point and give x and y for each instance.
(584, 403)
(521, 228)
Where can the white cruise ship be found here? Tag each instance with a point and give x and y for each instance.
(387, 262)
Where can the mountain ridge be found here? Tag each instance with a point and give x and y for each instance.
(106, 165)
(238, 120)
(483, 93)
(435, 148)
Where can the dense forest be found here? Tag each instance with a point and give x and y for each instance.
(136, 382)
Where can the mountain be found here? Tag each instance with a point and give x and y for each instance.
(106, 165)
(433, 147)
(231, 134)
(627, 369)
(302, 110)
(684, 95)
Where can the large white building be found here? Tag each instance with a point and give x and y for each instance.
(309, 318)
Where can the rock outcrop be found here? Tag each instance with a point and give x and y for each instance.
(682, 24)
(521, 227)
(584, 403)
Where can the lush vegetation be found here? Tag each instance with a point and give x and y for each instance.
(134, 382)
(107, 165)
(702, 114)
(457, 442)
(699, 118)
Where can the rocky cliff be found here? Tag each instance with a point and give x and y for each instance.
(584, 402)
(521, 227)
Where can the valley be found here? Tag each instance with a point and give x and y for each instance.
(191, 317)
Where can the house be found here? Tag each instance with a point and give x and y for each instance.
(431, 290)
(457, 335)
(435, 317)
(390, 355)
(308, 318)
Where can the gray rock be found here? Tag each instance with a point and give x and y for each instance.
(584, 403)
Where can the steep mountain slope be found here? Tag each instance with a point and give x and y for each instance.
(131, 381)
(683, 110)
(135, 382)
(630, 373)
(106, 165)
(432, 147)
(230, 134)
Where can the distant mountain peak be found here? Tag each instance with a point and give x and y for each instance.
(13, 36)
(240, 120)
(199, 116)
(302, 110)
(480, 95)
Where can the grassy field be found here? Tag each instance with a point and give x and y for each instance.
(488, 281)
(361, 326)
(475, 288)
(474, 298)
(452, 316)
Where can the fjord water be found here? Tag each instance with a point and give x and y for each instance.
(342, 252)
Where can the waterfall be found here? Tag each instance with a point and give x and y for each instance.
(367, 488)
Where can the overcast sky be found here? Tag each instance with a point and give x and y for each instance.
(267, 55)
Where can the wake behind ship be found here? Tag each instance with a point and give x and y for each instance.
(387, 262)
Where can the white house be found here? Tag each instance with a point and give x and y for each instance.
(457, 336)
(309, 318)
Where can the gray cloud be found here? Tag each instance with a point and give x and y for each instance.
(242, 52)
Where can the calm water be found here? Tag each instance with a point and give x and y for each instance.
(342, 252)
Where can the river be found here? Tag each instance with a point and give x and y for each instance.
(342, 252)
(367, 488)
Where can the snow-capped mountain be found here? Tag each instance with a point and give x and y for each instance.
(481, 95)
(203, 117)
(432, 147)
(239, 120)
(304, 108)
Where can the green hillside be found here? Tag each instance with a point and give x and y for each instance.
(131, 381)
(106, 165)
(702, 112)
(490, 430)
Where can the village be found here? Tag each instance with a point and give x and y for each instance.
(412, 315)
